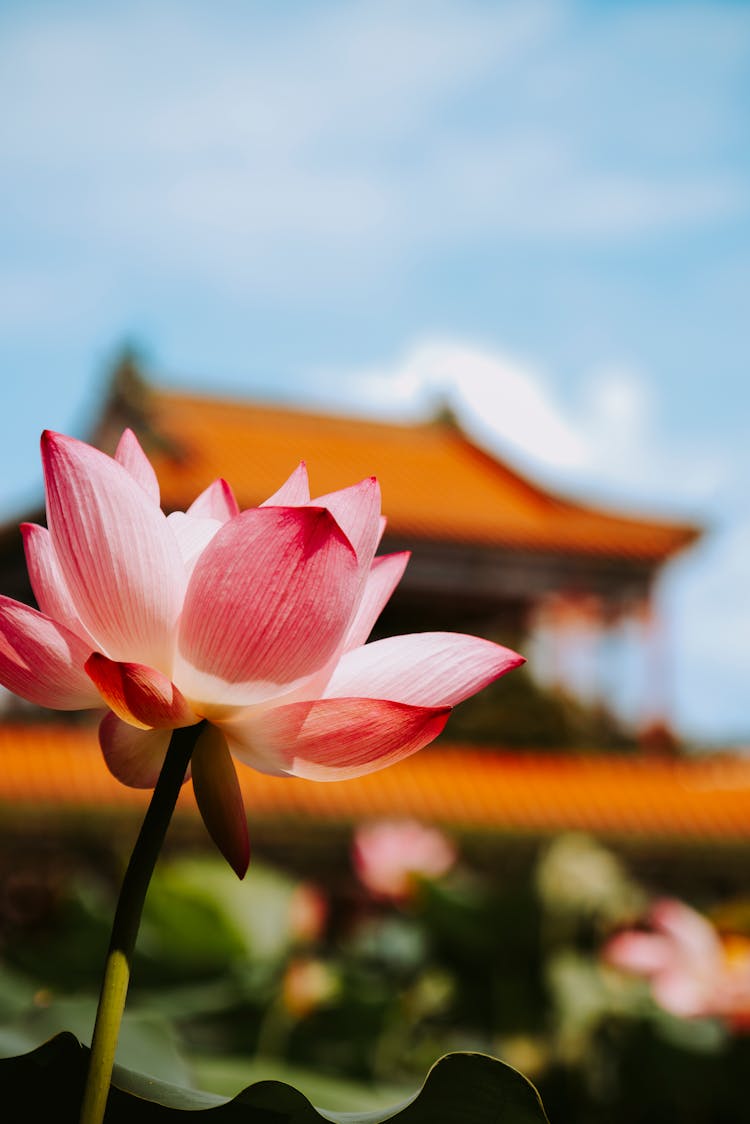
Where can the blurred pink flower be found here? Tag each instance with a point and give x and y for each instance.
(693, 970)
(390, 856)
(253, 620)
(308, 912)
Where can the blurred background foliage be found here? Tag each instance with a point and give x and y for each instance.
(533, 717)
(353, 993)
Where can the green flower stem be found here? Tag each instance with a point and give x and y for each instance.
(127, 920)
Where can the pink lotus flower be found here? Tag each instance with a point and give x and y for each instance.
(255, 621)
(693, 970)
(390, 856)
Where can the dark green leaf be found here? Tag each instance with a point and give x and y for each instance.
(459, 1089)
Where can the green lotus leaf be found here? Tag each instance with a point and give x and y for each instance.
(47, 1084)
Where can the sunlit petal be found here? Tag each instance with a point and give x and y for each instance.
(216, 502)
(51, 593)
(193, 534)
(269, 602)
(357, 512)
(294, 492)
(117, 555)
(42, 661)
(424, 668)
(385, 574)
(132, 457)
(332, 739)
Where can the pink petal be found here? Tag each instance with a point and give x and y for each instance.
(332, 739)
(216, 502)
(424, 669)
(268, 603)
(47, 582)
(132, 457)
(385, 574)
(388, 854)
(117, 555)
(139, 694)
(357, 512)
(193, 534)
(683, 994)
(643, 954)
(133, 756)
(294, 492)
(219, 798)
(42, 661)
(693, 934)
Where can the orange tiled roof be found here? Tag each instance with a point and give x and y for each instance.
(436, 483)
(709, 799)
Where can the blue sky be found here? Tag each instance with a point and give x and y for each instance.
(539, 209)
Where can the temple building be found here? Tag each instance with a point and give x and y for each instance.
(493, 553)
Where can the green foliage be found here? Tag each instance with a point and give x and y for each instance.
(516, 712)
(67, 952)
(503, 963)
(460, 1089)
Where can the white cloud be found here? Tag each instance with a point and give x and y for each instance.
(503, 400)
(604, 440)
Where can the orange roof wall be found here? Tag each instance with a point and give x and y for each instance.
(436, 484)
(58, 767)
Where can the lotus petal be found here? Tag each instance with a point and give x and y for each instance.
(294, 492)
(193, 534)
(332, 739)
(51, 593)
(117, 555)
(385, 574)
(216, 502)
(269, 602)
(139, 694)
(423, 669)
(132, 457)
(133, 756)
(357, 512)
(42, 661)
